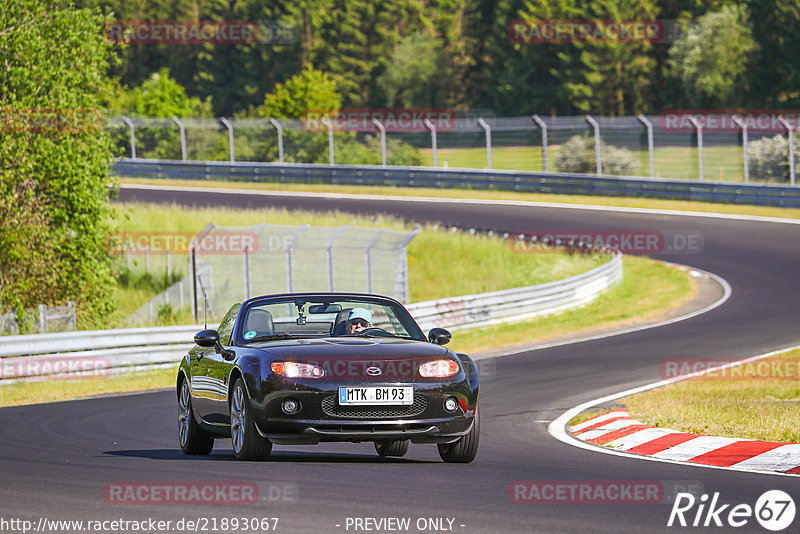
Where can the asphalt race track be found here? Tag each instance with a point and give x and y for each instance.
(56, 460)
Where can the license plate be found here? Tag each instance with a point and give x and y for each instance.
(394, 395)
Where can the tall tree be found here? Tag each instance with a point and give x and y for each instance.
(54, 157)
(712, 56)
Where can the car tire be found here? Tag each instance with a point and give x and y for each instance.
(465, 449)
(392, 447)
(192, 438)
(247, 442)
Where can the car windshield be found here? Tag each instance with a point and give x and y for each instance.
(316, 317)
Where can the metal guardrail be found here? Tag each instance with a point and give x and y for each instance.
(100, 353)
(536, 182)
(519, 303)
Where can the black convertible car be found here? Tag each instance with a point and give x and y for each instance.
(302, 368)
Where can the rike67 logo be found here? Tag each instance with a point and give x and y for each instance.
(774, 510)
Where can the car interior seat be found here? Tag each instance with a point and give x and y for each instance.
(340, 324)
(259, 321)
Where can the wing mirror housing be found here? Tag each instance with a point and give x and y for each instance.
(439, 336)
(210, 338)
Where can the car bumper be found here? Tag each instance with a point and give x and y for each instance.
(311, 432)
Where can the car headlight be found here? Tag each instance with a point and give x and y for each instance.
(439, 369)
(297, 370)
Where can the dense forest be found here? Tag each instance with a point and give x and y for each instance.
(464, 54)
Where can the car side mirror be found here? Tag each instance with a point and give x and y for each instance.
(210, 338)
(207, 338)
(439, 336)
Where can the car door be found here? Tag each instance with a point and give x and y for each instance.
(219, 370)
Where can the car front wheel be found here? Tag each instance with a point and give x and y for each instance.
(465, 449)
(247, 443)
(193, 439)
(391, 447)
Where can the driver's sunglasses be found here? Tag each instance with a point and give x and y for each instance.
(360, 322)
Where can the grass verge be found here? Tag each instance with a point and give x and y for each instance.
(758, 400)
(630, 202)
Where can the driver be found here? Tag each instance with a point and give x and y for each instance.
(359, 320)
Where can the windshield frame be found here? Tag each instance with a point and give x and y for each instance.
(414, 331)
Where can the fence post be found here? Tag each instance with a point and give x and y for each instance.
(488, 131)
(327, 122)
(229, 126)
(743, 126)
(193, 267)
(597, 153)
(169, 265)
(289, 245)
(246, 267)
(129, 122)
(177, 121)
(699, 128)
(543, 127)
(331, 241)
(147, 259)
(650, 149)
(128, 256)
(790, 131)
(43, 318)
(429, 125)
(72, 319)
(368, 256)
(279, 128)
(382, 130)
(402, 272)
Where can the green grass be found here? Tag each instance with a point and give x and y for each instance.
(454, 193)
(752, 401)
(719, 162)
(665, 288)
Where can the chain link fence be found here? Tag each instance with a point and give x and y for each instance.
(41, 320)
(231, 264)
(679, 146)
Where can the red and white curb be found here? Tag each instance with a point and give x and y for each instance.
(618, 431)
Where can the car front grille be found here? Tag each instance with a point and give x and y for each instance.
(333, 409)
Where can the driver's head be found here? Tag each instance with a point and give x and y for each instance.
(358, 320)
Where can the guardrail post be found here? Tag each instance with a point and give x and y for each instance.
(488, 131)
(597, 153)
(177, 121)
(129, 122)
(229, 126)
(745, 157)
(699, 128)
(279, 128)
(790, 131)
(327, 122)
(650, 150)
(429, 125)
(543, 127)
(382, 130)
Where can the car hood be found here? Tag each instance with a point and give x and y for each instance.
(352, 348)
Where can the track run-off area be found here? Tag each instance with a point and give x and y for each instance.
(66, 460)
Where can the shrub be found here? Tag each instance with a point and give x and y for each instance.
(577, 155)
(768, 158)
